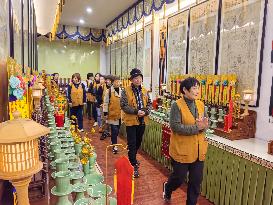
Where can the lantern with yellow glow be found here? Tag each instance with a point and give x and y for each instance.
(19, 153)
(247, 97)
(37, 93)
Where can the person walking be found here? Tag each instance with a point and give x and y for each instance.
(93, 91)
(99, 97)
(77, 98)
(111, 110)
(136, 105)
(188, 146)
(89, 97)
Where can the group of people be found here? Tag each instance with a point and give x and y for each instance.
(108, 103)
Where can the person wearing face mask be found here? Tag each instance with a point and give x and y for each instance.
(136, 105)
(77, 98)
(188, 146)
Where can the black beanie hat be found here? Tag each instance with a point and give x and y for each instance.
(134, 73)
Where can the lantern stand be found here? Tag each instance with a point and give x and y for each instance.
(19, 153)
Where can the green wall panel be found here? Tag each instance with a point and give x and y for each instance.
(68, 58)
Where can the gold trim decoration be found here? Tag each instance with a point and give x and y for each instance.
(59, 10)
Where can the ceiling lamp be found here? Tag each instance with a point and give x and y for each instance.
(89, 10)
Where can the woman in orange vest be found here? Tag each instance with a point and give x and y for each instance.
(77, 98)
(188, 146)
(111, 109)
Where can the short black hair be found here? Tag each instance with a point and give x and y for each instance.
(97, 74)
(89, 75)
(188, 83)
(53, 74)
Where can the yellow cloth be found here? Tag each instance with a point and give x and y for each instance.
(114, 107)
(76, 95)
(132, 119)
(187, 149)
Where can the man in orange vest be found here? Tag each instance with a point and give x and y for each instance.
(188, 146)
(135, 104)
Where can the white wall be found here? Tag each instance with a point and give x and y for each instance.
(156, 47)
(264, 128)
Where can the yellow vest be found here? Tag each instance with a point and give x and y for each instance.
(187, 149)
(54, 85)
(114, 107)
(76, 95)
(89, 96)
(132, 119)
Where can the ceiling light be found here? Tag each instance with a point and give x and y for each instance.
(81, 21)
(89, 10)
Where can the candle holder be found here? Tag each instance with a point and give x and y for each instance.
(99, 190)
(86, 168)
(77, 177)
(92, 162)
(212, 113)
(85, 201)
(221, 115)
(58, 154)
(247, 97)
(73, 158)
(110, 201)
(213, 118)
(78, 148)
(93, 179)
(63, 188)
(73, 166)
(62, 164)
(79, 189)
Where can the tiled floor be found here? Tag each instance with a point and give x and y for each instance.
(148, 188)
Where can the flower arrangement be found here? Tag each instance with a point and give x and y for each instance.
(87, 150)
(17, 88)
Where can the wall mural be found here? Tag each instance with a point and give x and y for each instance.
(4, 30)
(17, 29)
(124, 64)
(140, 47)
(147, 56)
(131, 52)
(240, 42)
(177, 44)
(203, 32)
(118, 58)
(108, 57)
(162, 51)
(113, 59)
